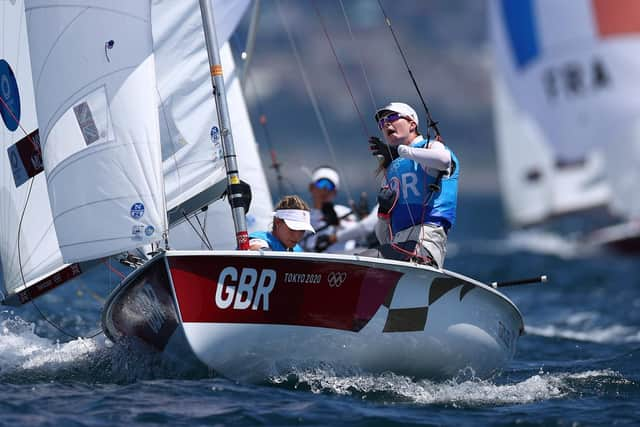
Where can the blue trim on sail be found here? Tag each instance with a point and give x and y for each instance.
(519, 21)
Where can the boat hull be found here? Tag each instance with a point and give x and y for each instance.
(621, 238)
(250, 315)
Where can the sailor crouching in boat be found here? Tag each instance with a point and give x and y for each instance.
(327, 217)
(291, 219)
(417, 203)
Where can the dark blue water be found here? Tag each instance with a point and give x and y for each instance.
(578, 363)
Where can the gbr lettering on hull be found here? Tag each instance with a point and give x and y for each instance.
(250, 288)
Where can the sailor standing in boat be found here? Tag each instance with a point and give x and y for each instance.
(291, 219)
(417, 203)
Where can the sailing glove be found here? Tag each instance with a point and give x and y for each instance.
(387, 151)
(386, 201)
(329, 214)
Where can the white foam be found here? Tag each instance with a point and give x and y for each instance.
(541, 386)
(22, 349)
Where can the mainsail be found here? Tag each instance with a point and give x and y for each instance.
(191, 142)
(192, 151)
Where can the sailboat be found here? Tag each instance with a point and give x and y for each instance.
(244, 314)
(29, 246)
(566, 127)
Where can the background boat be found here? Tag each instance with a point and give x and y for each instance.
(577, 363)
(562, 78)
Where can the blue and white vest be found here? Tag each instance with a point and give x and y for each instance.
(414, 192)
(273, 241)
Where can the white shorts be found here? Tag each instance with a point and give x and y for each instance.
(431, 238)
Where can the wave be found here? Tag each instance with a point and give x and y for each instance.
(613, 334)
(26, 357)
(459, 393)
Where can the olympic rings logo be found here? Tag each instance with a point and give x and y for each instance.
(336, 279)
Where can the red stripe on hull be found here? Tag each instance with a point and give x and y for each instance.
(48, 283)
(630, 245)
(276, 291)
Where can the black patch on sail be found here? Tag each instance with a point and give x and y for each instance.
(406, 319)
(87, 124)
(25, 158)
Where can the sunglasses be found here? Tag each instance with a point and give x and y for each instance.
(389, 119)
(325, 184)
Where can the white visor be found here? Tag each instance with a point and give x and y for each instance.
(296, 219)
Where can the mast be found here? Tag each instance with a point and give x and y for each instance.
(217, 80)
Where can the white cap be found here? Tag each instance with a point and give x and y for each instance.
(400, 108)
(326, 172)
(296, 219)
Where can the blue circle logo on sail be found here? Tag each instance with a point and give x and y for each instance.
(149, 230)
(215, 133)
(10, 103)
(137, 210)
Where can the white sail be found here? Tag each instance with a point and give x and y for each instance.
(94, 80)
(28, 242)
(192, 153)
(192, 158)
(573, 64)
(548, 166)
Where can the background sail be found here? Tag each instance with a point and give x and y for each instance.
(573, 65)
(547, 167)
(28, 242)
(93, 73)
(191, 147)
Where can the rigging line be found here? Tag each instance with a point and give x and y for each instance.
(275, 164)
(24, 210)
(113, 269)
(204, 230)
(344, 75)
(195, 230)
(358, 54)
(432, 124)
(310, 93)
(62, 330)
(13, 116)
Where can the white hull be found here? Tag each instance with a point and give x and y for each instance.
(348, 311)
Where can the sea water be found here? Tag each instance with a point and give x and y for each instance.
(578, 363)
